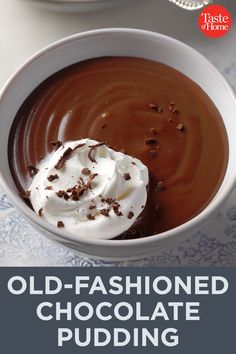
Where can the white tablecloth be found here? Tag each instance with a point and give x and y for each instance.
(24, 30)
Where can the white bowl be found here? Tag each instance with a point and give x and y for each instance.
(77, 5)
(117, 42)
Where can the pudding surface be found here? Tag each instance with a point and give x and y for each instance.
(143, 108)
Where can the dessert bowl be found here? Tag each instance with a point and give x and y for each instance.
(77, 5)
(117, 42)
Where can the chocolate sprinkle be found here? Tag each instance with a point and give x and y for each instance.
(90, 217)
(66, 196)
(155, 108)
(60, 224)
(40, 212)
(130, 215)
(104, 212)
(110, 200)
(25, 194)
(172, 108)
(153, 131)
(49, 188)
(159, 187)
(116, 210)
(93, 147)
(66, 155)
(150, 141)
(60, 193)
(52, 178)
(86, 171)
(180, 127)
(127, 176)
(32, 170)
(74, 193)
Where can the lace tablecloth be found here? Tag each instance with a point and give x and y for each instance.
(214, 244)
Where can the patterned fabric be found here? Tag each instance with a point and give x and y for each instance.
(215, 244)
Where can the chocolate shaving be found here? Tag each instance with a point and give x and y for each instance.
(127, 176)
(86, 171)
(155, 108)
(60, 224)
(66, 155)
(90, 217)
(49, 188)
(92, 207)
(60, 193)
(78, 190)
(104, 212)
(52, 178)
(40, 212)
(93, 147)
(66, 196)
(172, 108)
(152, 106)
(130, 215)
(110, 200)
(150, 141)
(153, 131)
(56, 144)
(92, 176)
(180, 127)
(32, 170)
(25, 194)
(116, 210)
(159, 187)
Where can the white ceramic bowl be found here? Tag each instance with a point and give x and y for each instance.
(117, 42)
(77, 5)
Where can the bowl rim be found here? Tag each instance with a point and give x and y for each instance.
(200, 218)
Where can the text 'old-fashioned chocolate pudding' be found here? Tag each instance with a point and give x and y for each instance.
(140, 109)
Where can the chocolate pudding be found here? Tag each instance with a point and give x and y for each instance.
(143, 108)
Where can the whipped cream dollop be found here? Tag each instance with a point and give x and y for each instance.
(89, 189)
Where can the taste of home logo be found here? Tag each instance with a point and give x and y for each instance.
(215, 21)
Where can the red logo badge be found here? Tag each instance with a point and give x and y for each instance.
(215, 21)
